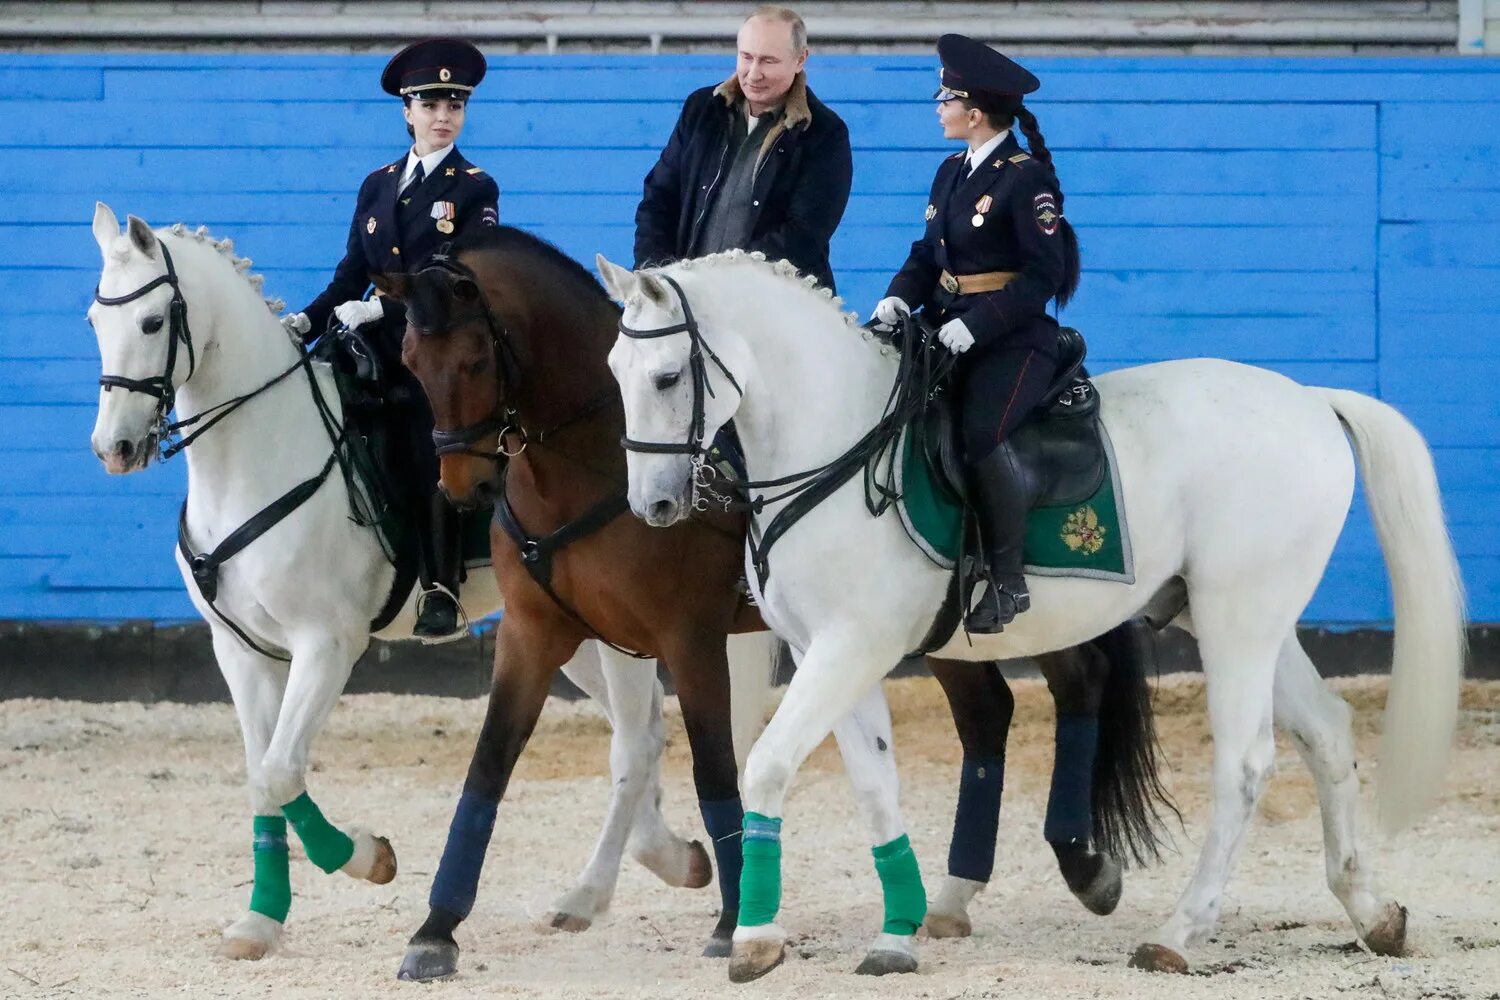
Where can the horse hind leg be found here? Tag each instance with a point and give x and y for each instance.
(256, 684)
(1319, 724)
(1239, 657)
(631, 698)
(982, 707)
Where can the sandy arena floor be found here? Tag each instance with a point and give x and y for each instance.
(124, 849)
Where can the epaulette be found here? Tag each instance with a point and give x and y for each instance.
(474, 171)
(1020, 158)
(957, 155)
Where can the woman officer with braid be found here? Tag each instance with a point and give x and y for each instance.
(996, 250)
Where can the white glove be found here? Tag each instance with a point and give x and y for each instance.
(890, 309)
(297, 324)
(356, 313)
(956, 336)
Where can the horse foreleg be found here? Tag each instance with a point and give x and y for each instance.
(700, 671)
(256, 684)
(526, 656)
(867, 746)
(982, 706)
(836, 672)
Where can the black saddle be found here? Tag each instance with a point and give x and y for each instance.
(1059, 444)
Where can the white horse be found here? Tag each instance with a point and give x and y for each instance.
(177, 313)
(1236, 480)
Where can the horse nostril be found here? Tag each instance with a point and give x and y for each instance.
(484, 492)
(662, 510)
(125, 449)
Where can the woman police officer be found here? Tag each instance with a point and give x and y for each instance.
(996, 250)
(406, 211)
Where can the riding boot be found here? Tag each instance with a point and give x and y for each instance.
(1003, 499)
(439, 616)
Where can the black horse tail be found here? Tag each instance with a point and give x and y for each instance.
(1128, 796)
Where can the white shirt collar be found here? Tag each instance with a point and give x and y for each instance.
(981, 154)
(429, 163)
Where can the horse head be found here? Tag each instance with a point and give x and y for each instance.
(137, 316)
(677, 390)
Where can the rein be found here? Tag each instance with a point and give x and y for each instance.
(922, 371)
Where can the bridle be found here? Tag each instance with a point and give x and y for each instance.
(160, 386)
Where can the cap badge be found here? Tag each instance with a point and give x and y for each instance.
(445, 74)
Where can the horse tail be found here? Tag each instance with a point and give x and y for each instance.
(752, 671)
(1421, 709)
(1128, 796)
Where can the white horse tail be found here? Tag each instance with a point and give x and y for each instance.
(1421, 711)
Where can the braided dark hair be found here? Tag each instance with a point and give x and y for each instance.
(1001, 113)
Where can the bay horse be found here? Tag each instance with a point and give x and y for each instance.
(273, 553)
(1238, 481)
(509, 338)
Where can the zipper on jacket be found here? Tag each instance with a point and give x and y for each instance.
(713, 186)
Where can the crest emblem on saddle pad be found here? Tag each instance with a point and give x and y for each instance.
(370, 226)
(1082, 532)
(1047, 215)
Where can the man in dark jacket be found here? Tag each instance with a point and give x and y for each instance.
(756, 163)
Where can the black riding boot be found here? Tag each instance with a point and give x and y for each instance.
(1002, 499)
(438, 613)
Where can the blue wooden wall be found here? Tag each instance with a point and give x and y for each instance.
(1338, 220)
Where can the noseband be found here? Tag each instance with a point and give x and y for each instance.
(159, 386)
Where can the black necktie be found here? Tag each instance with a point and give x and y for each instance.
(416, 178)
(964, 171)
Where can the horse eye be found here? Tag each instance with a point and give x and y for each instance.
(665, 382)
(479, 367)
(151, 324)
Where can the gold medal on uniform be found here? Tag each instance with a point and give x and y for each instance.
(982, 206)
(443, 212)
(444, 226)
(370, 226)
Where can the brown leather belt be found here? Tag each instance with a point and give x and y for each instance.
(968, 284)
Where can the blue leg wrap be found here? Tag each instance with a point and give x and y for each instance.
(724, 820)
(1070, 814)
(457, 880)
(971, 854)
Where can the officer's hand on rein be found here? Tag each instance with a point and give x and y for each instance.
(956, 336)
(356, 313)
(890, 309)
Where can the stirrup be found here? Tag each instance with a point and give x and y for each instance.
(461, 619)
(996, 609)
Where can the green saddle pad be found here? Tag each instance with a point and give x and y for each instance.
(1086, 539)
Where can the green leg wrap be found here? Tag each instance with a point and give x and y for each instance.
(760, 880)
(327, 846)
(901, 883)
(272, 894)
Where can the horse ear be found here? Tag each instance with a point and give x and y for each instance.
(655, 290)
(141, 235)
(106, 227)
(393, 286)
(619, 282)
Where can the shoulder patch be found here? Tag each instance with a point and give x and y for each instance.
(1020, 158)
(474, 171)
(1044, 206)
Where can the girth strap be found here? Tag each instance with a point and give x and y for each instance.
(205, 565)
(537, 552)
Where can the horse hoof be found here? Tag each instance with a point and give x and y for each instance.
(244, 949)
(429, 960)
(700, 870)
(885, 963)
(1103, 893)
(1388, 936)
(719, 946)
(572, 923)
(749, 960)
(384, 868)
(1158, 958)
(948, 925)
